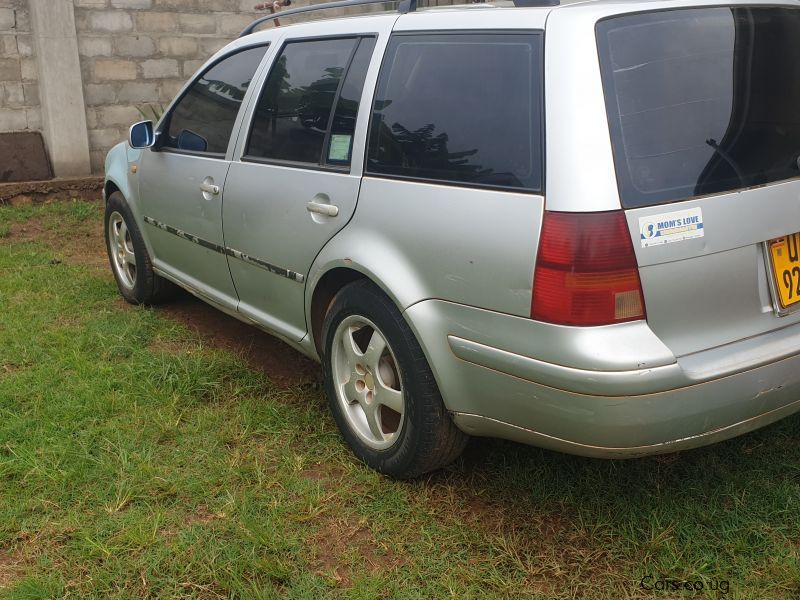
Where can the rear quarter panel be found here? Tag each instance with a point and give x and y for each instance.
(420, 241)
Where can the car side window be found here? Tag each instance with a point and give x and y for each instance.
(461, 108)
(203, 119)
(293, 121)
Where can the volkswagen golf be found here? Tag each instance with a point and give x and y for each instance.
(572, 225)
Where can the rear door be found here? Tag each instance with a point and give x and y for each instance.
(298, 178)
(182, 179)
(453, 179)
(704, 110)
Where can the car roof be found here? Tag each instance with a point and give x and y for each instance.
(485, 8)
(623, 5)
(496, 14)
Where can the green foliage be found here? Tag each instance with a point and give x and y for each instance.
(151, 112)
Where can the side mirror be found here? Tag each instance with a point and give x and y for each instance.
(142, 135)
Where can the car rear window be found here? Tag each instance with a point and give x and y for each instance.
(701, 101)
(460, 108)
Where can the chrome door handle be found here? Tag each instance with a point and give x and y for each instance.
(209, 188)
(329, 210)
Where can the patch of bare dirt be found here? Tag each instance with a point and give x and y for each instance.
(11, 568)
(283, 365)
(81, 244)
(203, 515)
(168, 346)
(14, 560)
(87, 247)
(30, 230)
(321, 472)
(7, 368)
(337, 539)
(90, 188)
(324, 473)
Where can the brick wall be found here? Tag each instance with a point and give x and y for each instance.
(19, 90)
(135, 53)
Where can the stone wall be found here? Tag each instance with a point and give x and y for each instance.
(139, 53)
(19, 90)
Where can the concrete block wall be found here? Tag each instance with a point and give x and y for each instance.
(19, 90)
(139, 53)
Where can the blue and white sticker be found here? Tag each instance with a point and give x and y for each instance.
(670, 227)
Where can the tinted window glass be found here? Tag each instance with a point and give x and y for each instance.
(702, 101)
(343, 126)
(460, 108)
(203, 119)
(293, 113)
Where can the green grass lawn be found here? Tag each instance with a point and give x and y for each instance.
(139, 460)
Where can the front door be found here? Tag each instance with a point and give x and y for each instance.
(294, 187)
(183, 177)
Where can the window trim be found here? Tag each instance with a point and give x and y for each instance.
(195, 153)
(540, 34)
(458, 184)
(163, 128)
(322, 164)
(293, 164)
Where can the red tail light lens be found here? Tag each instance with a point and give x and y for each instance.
(586, 271)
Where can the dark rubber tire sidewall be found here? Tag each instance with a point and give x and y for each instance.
(148, 288)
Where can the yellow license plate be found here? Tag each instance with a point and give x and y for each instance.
(785, 255)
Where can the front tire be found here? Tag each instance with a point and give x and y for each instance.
(127, 253)
(381, 389)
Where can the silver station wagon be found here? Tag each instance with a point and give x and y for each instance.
(574, 226)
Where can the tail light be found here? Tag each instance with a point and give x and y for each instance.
(586, 271)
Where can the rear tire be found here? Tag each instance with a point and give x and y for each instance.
(130, 263)
(381, 389)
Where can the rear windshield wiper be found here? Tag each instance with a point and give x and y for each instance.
(728, 159)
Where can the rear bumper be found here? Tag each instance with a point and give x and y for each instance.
(621, 412)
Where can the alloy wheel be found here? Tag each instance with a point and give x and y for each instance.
(367, 381)
(120, 247)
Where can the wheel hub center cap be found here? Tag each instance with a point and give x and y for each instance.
(369, 380)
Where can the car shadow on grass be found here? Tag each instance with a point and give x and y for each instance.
(754, 473)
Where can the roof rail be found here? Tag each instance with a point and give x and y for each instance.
(403, 7)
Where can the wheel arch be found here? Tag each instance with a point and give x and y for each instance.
(382, 264)
(322, 295)
(110, 187)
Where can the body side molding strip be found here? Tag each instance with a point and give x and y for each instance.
(289, 274)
